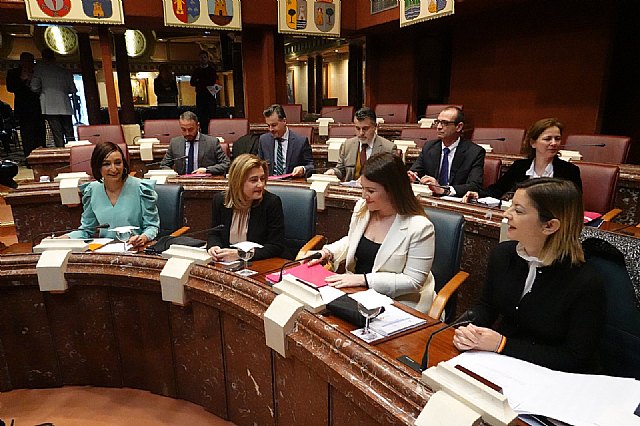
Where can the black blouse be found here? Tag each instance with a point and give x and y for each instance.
(366, 253)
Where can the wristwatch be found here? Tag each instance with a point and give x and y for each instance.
(447, 190)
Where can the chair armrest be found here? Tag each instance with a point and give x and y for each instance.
(441, 299)
(611, 214)
(180, 231)
(313, 243)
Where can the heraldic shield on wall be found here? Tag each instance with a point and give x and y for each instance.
(309, 17)
(71, 11)
(414, 11)
(210, 14)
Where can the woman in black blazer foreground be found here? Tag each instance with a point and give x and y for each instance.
(543, 140)
(247, 212)
(542, 302)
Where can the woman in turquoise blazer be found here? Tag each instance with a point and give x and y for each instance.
(117, 199)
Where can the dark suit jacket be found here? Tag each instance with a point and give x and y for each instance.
(298, 152)
(266, 226)
(467, 167)
(210, 155)
(26, 102)
(517, 173)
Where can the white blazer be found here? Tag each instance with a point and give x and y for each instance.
(402, 267)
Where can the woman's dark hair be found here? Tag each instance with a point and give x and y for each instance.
(536, 129)
(102, 151)
(389, 171)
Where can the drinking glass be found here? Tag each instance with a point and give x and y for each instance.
(123, 237)
(368, 314)
(246, 255)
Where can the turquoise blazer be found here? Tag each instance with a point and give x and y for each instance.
(136, 206)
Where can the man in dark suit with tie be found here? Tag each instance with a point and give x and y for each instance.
(194, 152)
(450, 164)
(285, 151)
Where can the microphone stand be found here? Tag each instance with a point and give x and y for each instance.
(317, 255)
(52, 234)
(464, 319)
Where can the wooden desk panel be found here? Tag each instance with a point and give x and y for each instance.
(44, 161)
(112, 328)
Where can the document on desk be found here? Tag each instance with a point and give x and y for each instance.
(394, 320)
(577, 399)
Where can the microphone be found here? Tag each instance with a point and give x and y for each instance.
(316, 255)
(71, 165)
(464, 319)
(488, 139)
(54, 233)
(156, 163)
(599, 145)
(329, 111)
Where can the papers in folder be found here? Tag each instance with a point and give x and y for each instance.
(313, 275)
(577, 399)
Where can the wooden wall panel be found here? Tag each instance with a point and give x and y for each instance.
(302, 395)
(87, 350)
(509, 69)
(249, 374)
(141, 321)
(197, 341)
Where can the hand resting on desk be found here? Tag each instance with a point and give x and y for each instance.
(337, 280)
(479, 338)
(135, 240)
(223, 254)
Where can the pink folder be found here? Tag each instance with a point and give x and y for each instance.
(313, 275)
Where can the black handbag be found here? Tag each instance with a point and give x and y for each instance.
(165, 242)
(346, 308)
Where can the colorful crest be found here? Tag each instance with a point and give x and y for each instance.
(437, 5)
(97, 8)
(220, 11)
(411, 9)
(55, 8)
(186, 11)
(301, 17)
(324, 12)
(292, 13)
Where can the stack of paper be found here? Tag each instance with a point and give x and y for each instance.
(394, 320)
(577, 399)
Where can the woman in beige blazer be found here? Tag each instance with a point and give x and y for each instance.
(390, 244)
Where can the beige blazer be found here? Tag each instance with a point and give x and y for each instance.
(402, 267)
(345, 169)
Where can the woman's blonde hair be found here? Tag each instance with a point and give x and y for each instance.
(558, 199)
(240, 168)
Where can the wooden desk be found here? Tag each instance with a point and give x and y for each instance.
(44, 161)
(111, 328)
(37, 209)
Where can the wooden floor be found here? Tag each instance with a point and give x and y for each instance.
(91, 406)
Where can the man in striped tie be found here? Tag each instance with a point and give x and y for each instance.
(285, 151)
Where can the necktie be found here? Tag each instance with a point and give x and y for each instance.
(279, 169)
(190, 157)
(363, 155)
(444, 170)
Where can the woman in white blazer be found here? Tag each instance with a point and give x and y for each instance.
(391, 242)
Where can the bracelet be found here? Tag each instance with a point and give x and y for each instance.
(328, 253)
(503, 342)
(366, 282)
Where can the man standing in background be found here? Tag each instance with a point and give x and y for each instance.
(55, 84)
(204, 79)
(26, 104)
